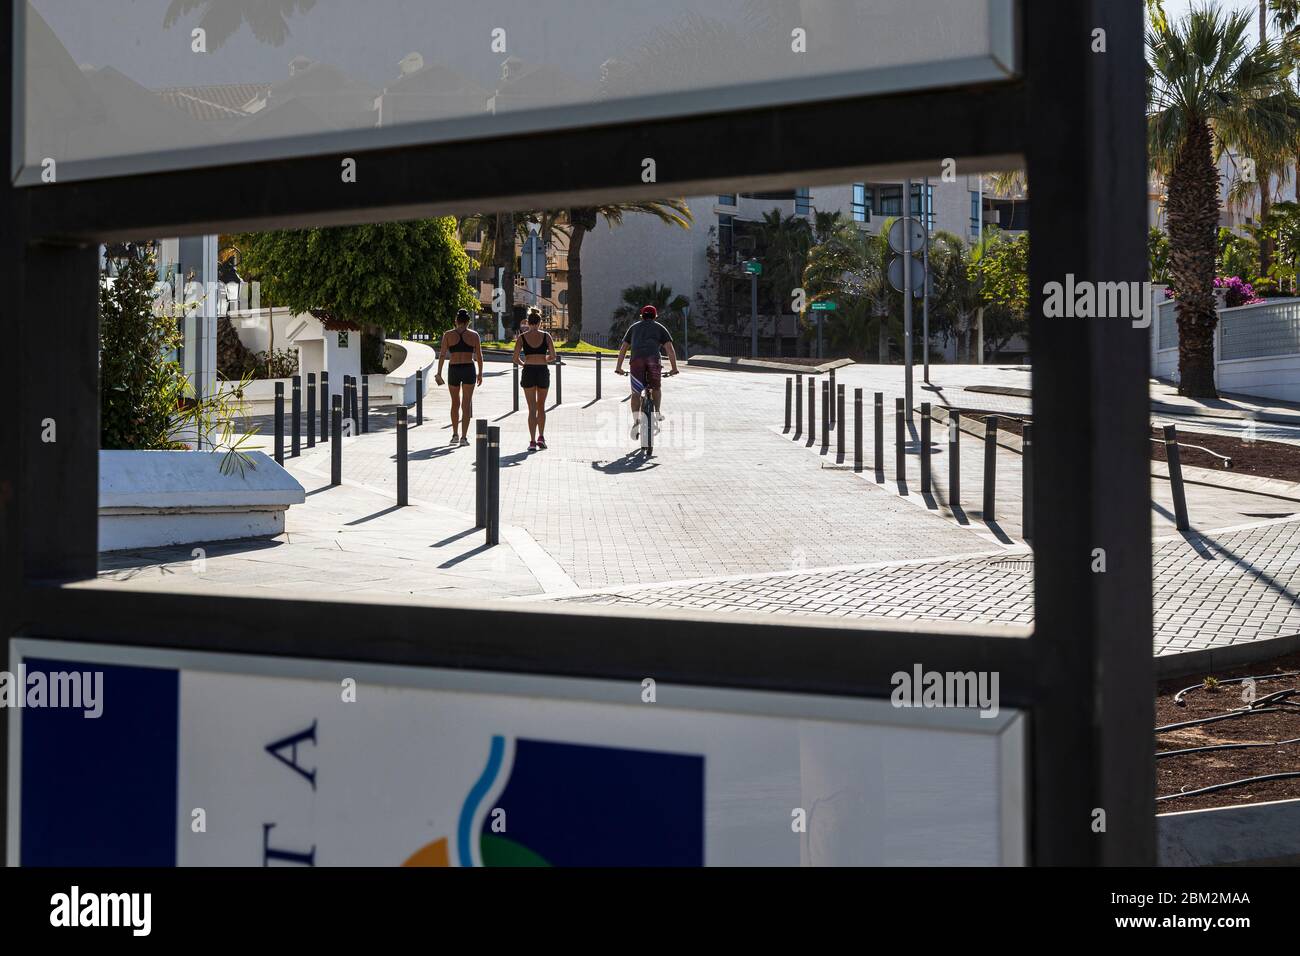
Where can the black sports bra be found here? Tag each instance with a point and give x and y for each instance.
(534, 349)
(462, 345)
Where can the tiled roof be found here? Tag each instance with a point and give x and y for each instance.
(213, 102)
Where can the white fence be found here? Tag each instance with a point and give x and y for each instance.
(1256, 348)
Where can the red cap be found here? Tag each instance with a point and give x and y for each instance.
(649, 310)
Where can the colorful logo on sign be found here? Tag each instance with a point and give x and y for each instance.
(568, 804)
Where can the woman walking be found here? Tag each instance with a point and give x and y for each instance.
(462, 347)
(535, 350)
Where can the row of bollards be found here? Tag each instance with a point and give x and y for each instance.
(833, 412)
(353, 404)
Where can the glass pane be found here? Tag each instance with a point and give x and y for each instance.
(111, 87)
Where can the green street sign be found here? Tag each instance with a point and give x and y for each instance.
(754, 267)
(824, 306)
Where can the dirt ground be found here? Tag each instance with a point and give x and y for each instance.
(1175, 774)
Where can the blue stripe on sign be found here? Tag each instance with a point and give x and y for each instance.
(102, 791)
(464, 828)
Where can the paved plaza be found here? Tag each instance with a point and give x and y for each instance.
(732, 515)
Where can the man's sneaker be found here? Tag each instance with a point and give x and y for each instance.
(636, 427)
(659, 416)
(541, 442)
(658, 427)
(532, 446)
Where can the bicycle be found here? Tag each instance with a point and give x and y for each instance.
(647, 429)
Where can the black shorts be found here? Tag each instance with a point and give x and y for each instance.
(535, 376)
(463, 374)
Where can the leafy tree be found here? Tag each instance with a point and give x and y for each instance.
(582, 219)
(222, 18)
(1207, 89)
(1000, 266)
(400, 275)
(669, 306)
(1158, 255)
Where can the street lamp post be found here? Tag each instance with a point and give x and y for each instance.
(754, 268)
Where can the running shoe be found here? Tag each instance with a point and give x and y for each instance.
(463, 440)
(541, 442)
(532, 446)
(455, 439)
(636, 427)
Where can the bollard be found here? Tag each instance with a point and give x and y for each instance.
(514, 375)
(336, 452)
(832, 409)
(279, 423)
(880, 435)
(789, 387)
(798, 407)
(354, 412)
(559, 379)
(925, 448)
(401, 456)
(839, 425)
(1027, 482)
(419, 397)
(347, 398)
(990, 466)
(826, 417)
(598, 375)
(324, 406)
(1174, 460)
(493, 485)
(857, 429)
(480, 472)
(954, 460)
(812, 410)
(297, 416)
(311, 409)
(900, 445)
(365, 404)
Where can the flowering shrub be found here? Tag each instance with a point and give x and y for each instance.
(1236, 291)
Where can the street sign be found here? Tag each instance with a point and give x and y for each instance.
(824, 306)
(896, 235)
(753, 267)
(532, 258)
(918, 276)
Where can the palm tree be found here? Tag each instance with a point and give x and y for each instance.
(670, 307)
(1206, 89)
(583, 219)
(221, 18)
(956, 293)
(851, 266)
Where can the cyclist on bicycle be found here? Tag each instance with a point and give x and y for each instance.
(646, 337)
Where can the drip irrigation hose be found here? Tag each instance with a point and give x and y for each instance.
(1201, 750)
(1231, 783)
(1245, 712)
(1178, 697)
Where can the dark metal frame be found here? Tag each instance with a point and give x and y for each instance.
(1086, 675)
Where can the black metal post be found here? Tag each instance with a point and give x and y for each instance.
(1174, 460)
(419, 396)
(279, 423)
(365, 404)
(1027, 482)
(925, 448)
(839, 425)
(831, 410)
(559, 379)
(514, 376)
(355, 413)
(990, 466)
(480, 472)
(879, 435)
(493, 485)
(826, 417)
(401, 456)
(311, 409)
(598, 374)
(798, 407)
(336, 452)
(296, 405)
(347, 404)
(324, 406)
(812, 410)
(789, 388)
(954, 460)
(900, 445)
(857, 429)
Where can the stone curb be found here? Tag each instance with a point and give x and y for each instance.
(758, 365)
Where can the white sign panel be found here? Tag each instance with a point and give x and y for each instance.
(220, 760)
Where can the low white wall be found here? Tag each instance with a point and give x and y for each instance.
(150, 499)
(415, 356)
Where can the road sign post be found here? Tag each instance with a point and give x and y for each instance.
(820, 308)
(755, 269)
